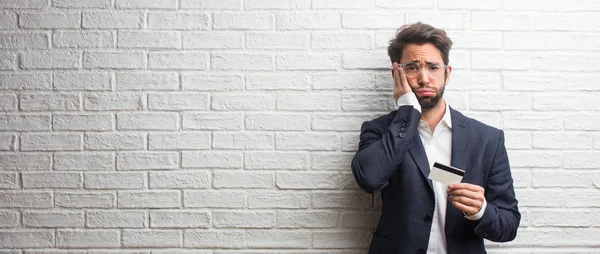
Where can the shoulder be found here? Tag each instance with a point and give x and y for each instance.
(475, 126)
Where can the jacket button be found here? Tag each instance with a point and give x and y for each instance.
(404, 124)
(421, 251)
(402, 129)
(427, 218)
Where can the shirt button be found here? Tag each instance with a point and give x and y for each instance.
(427, 218)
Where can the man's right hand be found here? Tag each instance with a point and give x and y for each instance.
(400, 82)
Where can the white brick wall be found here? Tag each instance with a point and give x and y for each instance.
(228, 126)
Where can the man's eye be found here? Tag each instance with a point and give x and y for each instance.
(412, 67)
(434, 67)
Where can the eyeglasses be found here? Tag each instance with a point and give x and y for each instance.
(413, 69)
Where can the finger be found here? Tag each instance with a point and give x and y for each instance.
(466, 209)
(403, 80)
(468, 186)
(467, 201)
(467, 193)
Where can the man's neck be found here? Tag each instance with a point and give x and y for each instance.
(434, 115)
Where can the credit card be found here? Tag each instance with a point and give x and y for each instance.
(446, 174)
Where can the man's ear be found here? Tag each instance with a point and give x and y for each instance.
(447, 76)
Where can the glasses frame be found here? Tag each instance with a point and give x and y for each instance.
(421, 69)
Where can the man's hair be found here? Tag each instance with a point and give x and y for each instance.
(419, 33)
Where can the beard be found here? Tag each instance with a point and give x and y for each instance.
(428, 103)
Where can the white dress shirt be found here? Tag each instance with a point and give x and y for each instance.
(438, 148)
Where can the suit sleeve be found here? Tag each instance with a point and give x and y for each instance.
(501, 217)
(382, 148)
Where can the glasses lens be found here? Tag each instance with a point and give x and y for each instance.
(412, 69)
(436, 70)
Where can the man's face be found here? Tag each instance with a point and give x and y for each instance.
(428, 89)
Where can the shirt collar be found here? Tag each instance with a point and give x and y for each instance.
(447, 119)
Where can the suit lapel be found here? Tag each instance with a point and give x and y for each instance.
(458, 158)
(420, 157)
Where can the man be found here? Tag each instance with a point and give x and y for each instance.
(397, 151)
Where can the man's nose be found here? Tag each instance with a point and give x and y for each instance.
(423, 76)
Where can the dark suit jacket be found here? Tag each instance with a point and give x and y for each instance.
(391, 159)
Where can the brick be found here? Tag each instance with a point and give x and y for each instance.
(23, 122)
(308, 20)
(24, 40)
(441, 19)
(581, 82)
(331, 161)
(63, 180)
(82, 122)
(500, 101)
(50, 20)
(84, 161)
(277, 82)
(368, 102)
(279, 199)
(307, 61)
(9, 218)
(146, 4)
(69, 81)
(555, 6)
(581, 198)
(350, 142)
(213, 121)
(580, 159)
(561, 179)
(178, 21)
(54, 251)
(114, 60)
(95, 238)
(179, 219)
(116, 180)
(8, 60)
(558, 218)
(581, 41)
(84, 199)
(307, 141)
(152, 238)
(563, 22)
(113, 101)
(302, 180)
(147, 160)
(537, 41)
(204, 82)
(309, 101)
(82, 39)
(349, 200)
(499, 61)
(211, 159)
(50, 60)
(25, 81)
(148, 39)
(102, 4)
(212, 40)
(8, 20)
(518, 139)
(179, 141)
(352, 4)
(531, 121)
(26, 239)
(243, 141)
(371, 21)
(283, 4)
(178, 60)
(281, 40)
(113, 20)
(49, 102)
(561, 62)
(148, 199)
(470, 4)
(113, 141)
(242, 21)
(522, 178)
(178, 101)
(582, 121)
(341, 239)
(208, 4)
(148, 121)
(478, 40)
(277, 160)
(26, 199)
(338, 122)
(179, 179)
(53, 219)
(277, 122)
(360, 219)
(115, 219)
(8, 102)
(366, 60)
(562, 140)
(231, 61)
(26, 161)
(214, 199)
(244, 180)
(307, 219)
(426, 4)
(229, 219)
(50, 142)
(213, 239)
(277, 239)
(147, 81)
(347, 81)
(534, 82)
(8, 180)
(535, 159)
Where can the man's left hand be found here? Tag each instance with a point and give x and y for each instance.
(466, 197)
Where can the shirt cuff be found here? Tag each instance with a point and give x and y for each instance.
(479, 214)
(409, 99)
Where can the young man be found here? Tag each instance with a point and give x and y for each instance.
(397, 151)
